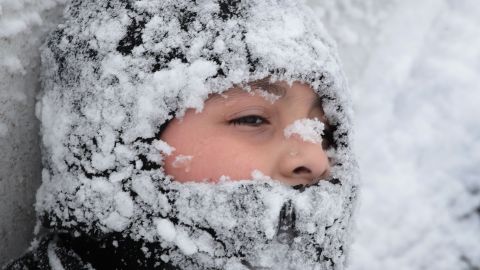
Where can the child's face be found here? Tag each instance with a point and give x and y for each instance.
(239, 132)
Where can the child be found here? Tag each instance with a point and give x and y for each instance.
(206, 134)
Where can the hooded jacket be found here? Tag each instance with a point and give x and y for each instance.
(114, 74)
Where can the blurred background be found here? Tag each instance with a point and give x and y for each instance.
(414, 73)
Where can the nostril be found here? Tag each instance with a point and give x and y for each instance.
(302, 170)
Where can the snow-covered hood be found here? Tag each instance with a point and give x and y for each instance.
(117, 71)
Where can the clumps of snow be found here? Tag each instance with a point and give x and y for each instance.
(125, 173)
(124, 204)
(107, 96)
(145, 189)
(166, 229)
(163, 147)
(100, 185)
(273, 204)
(224, 178)
(310, 130)
(103, 162)
(185, 244)
(260, 176)
(233, 204)
(116, 222)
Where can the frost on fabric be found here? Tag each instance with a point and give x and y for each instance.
(117, 71)
(310, 130)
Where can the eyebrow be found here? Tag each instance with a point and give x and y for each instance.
(266, 85)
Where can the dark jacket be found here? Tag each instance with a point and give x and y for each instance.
(64, 251)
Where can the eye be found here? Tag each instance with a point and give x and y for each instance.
(249, 120)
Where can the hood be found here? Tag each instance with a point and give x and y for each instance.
(117, 71)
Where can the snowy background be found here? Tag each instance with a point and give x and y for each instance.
(414, 70)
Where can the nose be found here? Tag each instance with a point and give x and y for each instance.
(302, 162)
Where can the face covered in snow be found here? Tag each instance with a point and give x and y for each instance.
(240, 132)
(252, 85)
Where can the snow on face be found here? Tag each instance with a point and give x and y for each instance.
(238, 132)
(115, 74)
(182, 162)
(309, 130)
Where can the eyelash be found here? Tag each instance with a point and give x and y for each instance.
(247, 121)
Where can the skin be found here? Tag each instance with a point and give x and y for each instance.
(238, 132)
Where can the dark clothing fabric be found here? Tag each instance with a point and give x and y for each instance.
(50, 253)
(63, 251)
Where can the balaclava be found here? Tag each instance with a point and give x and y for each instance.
(117, 71)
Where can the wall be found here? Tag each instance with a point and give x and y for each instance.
(23, 25)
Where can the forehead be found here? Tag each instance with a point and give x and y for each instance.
(276, 88)
(279, 89)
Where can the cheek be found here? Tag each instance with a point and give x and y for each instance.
(212, 159)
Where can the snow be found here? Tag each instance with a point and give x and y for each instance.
(145, 189)
(260, 176)
(103, 162)
(186, 245)
(270, 97)
(121, 175)
(102, 186)
(416, 130)
(166, 229)
(105, 96)
(273, 203)
(124, 204)
(116, 222)
(183, 162)
(309, 130)
(163, 147)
